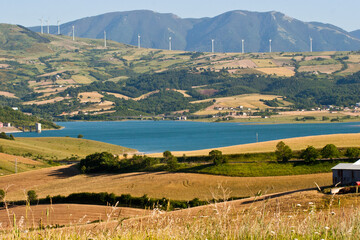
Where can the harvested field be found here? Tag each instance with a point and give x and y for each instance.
(280, 71)
(328, 69)
(7, 94)
(246, 63)
(309, 58)
(19, 159)
(102, 106)
(340, 140)
(352, 67)
(245, 100)
(264, 63)
(67, 214)
(183, 186)
(92, 97)
(59, 148)
(57, 99)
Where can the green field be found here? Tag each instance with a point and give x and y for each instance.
(262, 169)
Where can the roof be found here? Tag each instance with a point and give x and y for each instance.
(348, 166)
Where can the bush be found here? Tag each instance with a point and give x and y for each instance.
(31, 195)
(310, 154)
(2, 194)
(283, 152)
(80, 136)
(330, 151)
(352, 152)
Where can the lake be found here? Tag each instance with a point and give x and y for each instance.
(159, 136)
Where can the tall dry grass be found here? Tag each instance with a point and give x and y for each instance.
(265, 220)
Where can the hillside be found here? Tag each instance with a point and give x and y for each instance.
(228, 30)
(62, 79)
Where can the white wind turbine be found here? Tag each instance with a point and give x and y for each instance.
(48, 27)
(311, 44)
(212, 45)
(73, 32)
(242, 46)
(139, 41)
(42, 25)
(58, 25)
(170, 43)
(270, 41)
(105, 39)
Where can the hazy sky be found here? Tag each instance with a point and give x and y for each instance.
(342, 13)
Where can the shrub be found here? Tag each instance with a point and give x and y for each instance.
(310, 154)
(352, 152)
(31, 195)
(2, 194)
(80, 136)
(330, 151)
(100, 162)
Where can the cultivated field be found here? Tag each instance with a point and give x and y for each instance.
(177, 186)
(246, 100)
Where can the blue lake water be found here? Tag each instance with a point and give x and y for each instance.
(159, 136)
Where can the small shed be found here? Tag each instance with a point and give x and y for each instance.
(346, 173)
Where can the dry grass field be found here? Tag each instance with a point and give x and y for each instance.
(340, 140)
(7, 94)
(59, 148)
(246, 100)
(80, 79)
(65, 214)
(65, 180)
(53, 100)
(328, 69)
(92, 97)
(280, 71)
(352, 67)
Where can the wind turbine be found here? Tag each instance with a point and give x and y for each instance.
(42, 28)
(48, 27)
(270, 45)
(73, 32)
(139, 41)
(242, 46)
(105, 39)
(212, 45)
(58, 24)
(170, 43)
(311, 44)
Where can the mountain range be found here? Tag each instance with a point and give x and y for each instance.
(228, 30)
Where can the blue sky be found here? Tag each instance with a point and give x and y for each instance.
(342, 13)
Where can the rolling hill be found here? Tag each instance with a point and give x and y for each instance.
(228, 30)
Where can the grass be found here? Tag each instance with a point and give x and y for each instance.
(279, 71)
(58, 148)
(260, 169)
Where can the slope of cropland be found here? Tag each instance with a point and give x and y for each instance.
(183, 186)
(59, 148)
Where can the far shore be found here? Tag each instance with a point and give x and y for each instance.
(299, 143)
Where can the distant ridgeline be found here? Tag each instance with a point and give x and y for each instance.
(17, 118)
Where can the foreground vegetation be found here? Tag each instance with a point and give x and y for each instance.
(297, 216)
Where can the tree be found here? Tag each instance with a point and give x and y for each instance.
(330, 151)
(352, 152)
(167, 154)
(283, 152)
(172, 163)
(32, 196)
(80, 136)
(310, 154)
(216, 157)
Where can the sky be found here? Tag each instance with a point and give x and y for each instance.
(342, 13)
